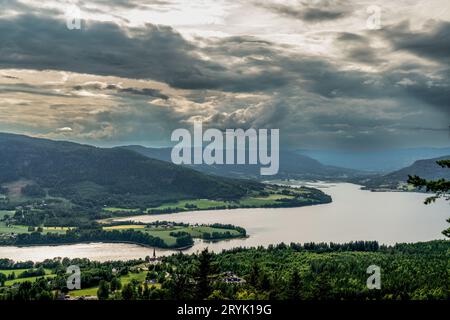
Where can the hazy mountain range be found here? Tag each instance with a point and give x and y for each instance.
(427, 169)
(298, 166)
(292, 165)
(382, 161)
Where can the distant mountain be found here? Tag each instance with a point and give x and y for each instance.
(292, 165)
(427, 169)
(104, 176)
(376, 161)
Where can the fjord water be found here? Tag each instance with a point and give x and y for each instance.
(354, 214)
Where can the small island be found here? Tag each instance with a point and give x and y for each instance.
(160, 234)
(30, 215)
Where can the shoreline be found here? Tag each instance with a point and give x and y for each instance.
(106, 220)
(124, 242)
(93, 242)
(122, 218)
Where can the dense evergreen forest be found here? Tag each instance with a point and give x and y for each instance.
(282, 272)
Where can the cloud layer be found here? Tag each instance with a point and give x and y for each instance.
(123, 79)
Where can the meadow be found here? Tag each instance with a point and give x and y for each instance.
(17, 273)
(166, 233)
(137, 277)
(269, 197)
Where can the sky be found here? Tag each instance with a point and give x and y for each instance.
(330, 74)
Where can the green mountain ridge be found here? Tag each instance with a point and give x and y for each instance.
(106, 176)
(426, 168)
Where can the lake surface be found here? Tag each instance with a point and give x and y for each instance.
(354, 214)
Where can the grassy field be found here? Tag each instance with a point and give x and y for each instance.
(24, 229)
(195, 232)
(12, 229)
(84, 292)
(263, 201)
(184, 204)
(205, 204)
(164, 232)
(181, 205)
(124, 227)
(3, 213)
(9, 283)
(59, 230)
(140, 277)
(17, 272)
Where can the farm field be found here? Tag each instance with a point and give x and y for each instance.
(262, 201)
(9, 229)
(164, 232)
(268, 199)
(182, 205)
(139, 277)
(17, 272)
(9, 283)
(195, 232)
(8, 272)
(17, 229)
(192, 204)
(124, 227)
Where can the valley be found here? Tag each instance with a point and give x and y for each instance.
(54, 192)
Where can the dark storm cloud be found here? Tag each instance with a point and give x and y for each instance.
(433, 44)
(99, 48)
(310, 95)
(317, 11)
(25, 88)
(160, 53)
(14, 6)
(328, 80)
(241, 46)
(357, 48)
(145, 92)
(153, 52)
(435, 92)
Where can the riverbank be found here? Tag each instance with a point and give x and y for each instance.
(159, 234)
(273, 196)
(354, 214)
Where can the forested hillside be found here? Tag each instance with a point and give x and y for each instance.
(296, 272)
(88, 175)
(427, 169)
